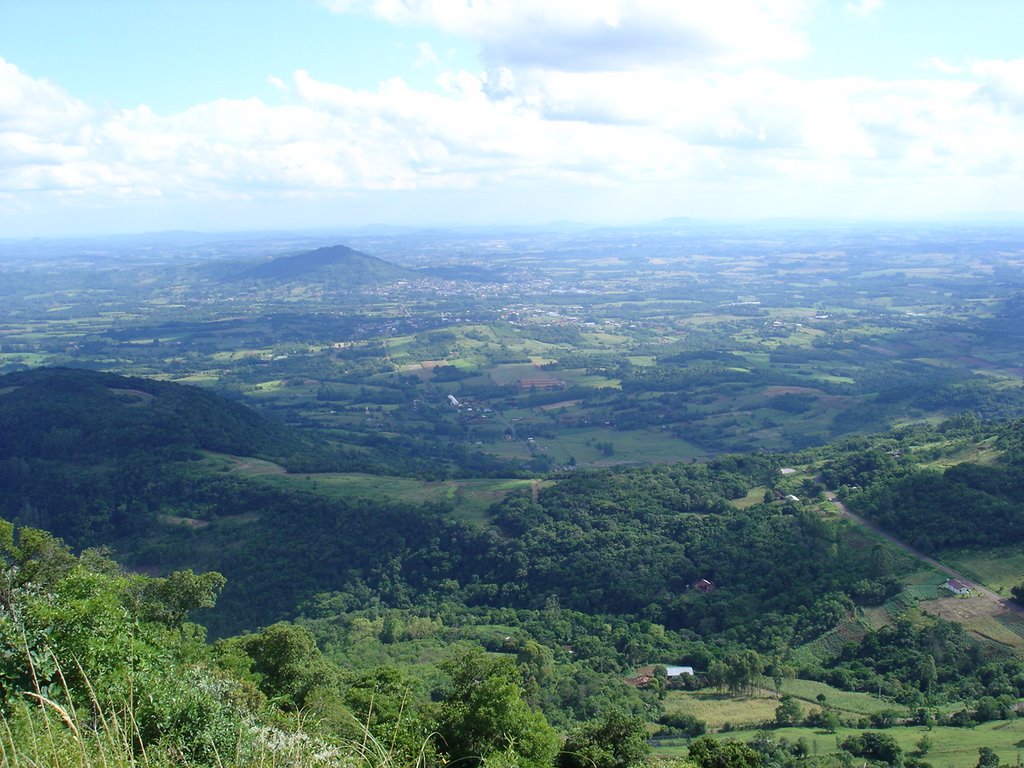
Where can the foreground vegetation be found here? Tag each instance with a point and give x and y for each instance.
(98, 667)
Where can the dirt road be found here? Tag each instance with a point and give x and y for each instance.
(998, 604)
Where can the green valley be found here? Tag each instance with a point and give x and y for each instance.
(471, 502)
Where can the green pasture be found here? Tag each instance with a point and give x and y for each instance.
(228, 356)
(509, 449)
(828, 378)
(580, 377)
(470, 498)
(533, 348)
(937, 362)
(998, 569)
(754, 496)
(243, 464)
(853, 702)
(32, 359)
(926, 576)
(983, 452)
(629, 446)
(510, 373)
(832, 642)
(950, 747)
(605, 339)
(642, 361)
(719, 709)
(199, 378)
(992, 629)
(751, 710)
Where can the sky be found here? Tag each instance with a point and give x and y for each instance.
(120, 116)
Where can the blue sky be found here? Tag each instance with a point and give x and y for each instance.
(172, 55)
(123, 116)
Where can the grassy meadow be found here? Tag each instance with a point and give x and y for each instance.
(470, 498)
(998, 569)
(950, 747)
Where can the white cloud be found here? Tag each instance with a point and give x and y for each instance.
(943, 66)
(1002, 83)
(742, 136)
(587, 35)
(864, 7)
(426, 56)
(30, 104)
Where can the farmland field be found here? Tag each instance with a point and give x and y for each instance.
(468, 498)
(950, 747)
(998, 569)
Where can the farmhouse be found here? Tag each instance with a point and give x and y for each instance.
(646, 675)
(957, 587)
(640, 681)
(704, 585)
(678, 671)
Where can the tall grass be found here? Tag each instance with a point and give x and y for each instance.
(40, 731)
(46, 733)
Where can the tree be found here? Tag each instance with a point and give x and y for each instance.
(883, 562)
(80, 629)
(830, 720)
(780, 671)
(926, 673)
(811, 488)
(389, 629)
(924, 745)
(615, 740)
(536, 665)
(683, 724)
(484, 714)
(987, 709)
(385, 702)
(170, 600)
(660, 682)
(287, 661)
(874, 746)
(789, 712)
(743, 668)
(40, 557)
(987, 758)
(707, 752)
(717, 674)
(1018, 593)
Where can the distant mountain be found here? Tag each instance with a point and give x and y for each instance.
(338, 262)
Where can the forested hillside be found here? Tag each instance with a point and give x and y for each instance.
(96, 457)
(87, 417)
(619, 542)
(966, 504)
(548, 601)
